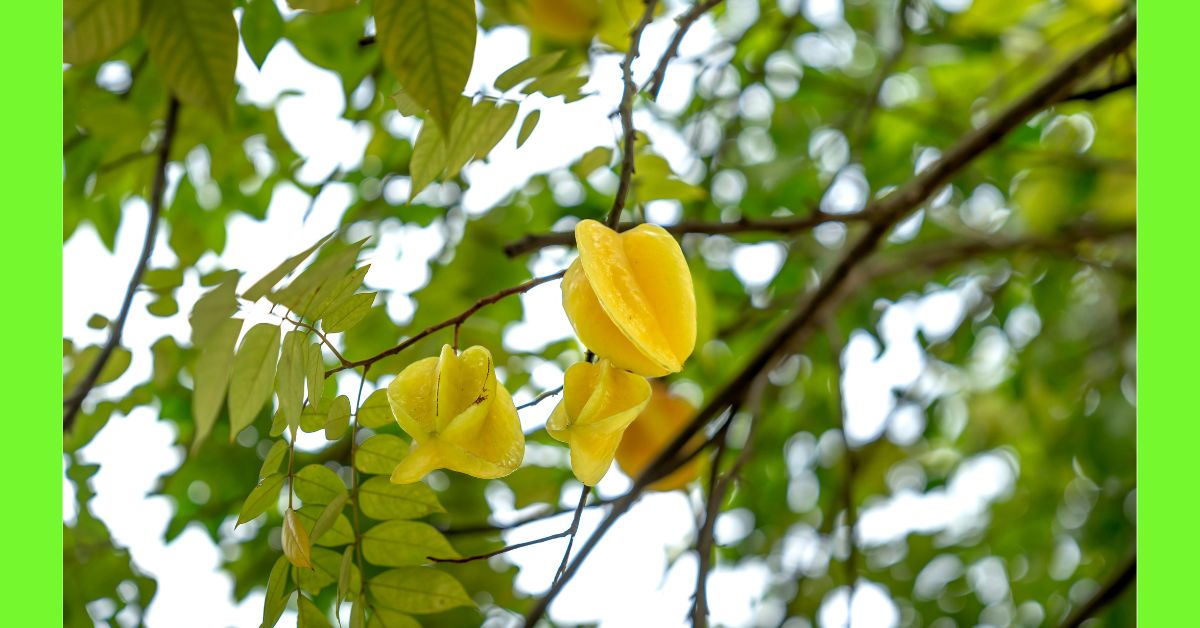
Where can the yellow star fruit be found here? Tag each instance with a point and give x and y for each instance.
(629, 297)
(599, 402)
(654, 429)
(458, 416)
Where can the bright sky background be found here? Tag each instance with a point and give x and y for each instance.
(631, 564)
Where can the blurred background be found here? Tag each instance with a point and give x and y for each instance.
(954, 446)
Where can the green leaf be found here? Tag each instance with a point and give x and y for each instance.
(326, 567)
(476, 132)
(380, 499)
(428, 158)
(344, 576)
(406, 105)
(338, 418)
(265, 495)
(527, 69)
(264, 286)
(597, 157)
(388, 618)
(528, 126)
(328, 517)
(97, 321)
(117, 362)
(380, 454)
(376, 412)
(94, 29)
(163, 278)
(340, 293)
(318, 484)
(314, 370)
(339, 533)
(429, 45)
(349, 314)
(277, 592)
(262, 26)
(418, 590)
(401, 543)
(289, 379)
(252, 376)
(358, 614)
(566, 83)
(311, 615)
(309, 288)
(274, 459)
(213, 308)
(321, 6)
(193, 43)
(164, 306)
(212, 372)
(312, 419)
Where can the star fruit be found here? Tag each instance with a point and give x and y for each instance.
(599, 402)
(629, 297)
(458, 416)
(654, 429)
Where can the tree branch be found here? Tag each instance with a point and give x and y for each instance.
(1107, 594)
(569, 532)
(628, 134)
(684, 22)
(1100, 92)
(75, 400)
(455, 320)
(884, 213)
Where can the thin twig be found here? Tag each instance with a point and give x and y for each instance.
(628, 134)
(885, 213)
(540, 398)
(455, 320)
(583, 495)
(706, 533)
(358, 552)
(75, 400)
(570, 532)
(1100, 92)
(487, 528)
(1107, 594)
(684, 22)
(324, 339)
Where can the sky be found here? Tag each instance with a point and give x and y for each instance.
(193, 591)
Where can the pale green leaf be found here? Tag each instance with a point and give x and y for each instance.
(358, 614)
(310, 615)
(349, 313)
(309, 288)
(274, 458)
(94, 29)
(476, 132)
(262, 26)
(388, 618)
(428, 158)
(429, 45)
(277, 592)
(212, 309)
(312, 418)
(289, 379)
(342, 290)
(194, 43)
(314, 371)
(265, 495)
(380, 454)
(338, 418)
(82, 362)
(598, 157)
(343, 586)
(326, 567)
(566, 83)
(527, 69)
(380, 499)
(401, 543)
(318, 484)
(418, 590)
(528, 126)
(253, 375)
(406, 105)
(263, 286)
(328, 517)
(376, 412)
(339, 533)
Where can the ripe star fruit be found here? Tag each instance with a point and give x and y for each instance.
(654, 429)
(599, 402)
(458, 416)
(629, 297)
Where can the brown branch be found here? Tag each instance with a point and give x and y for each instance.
(628, 133)
(775, 224)
(1107, 594)
(1100, 92)
(885, 213)
(456, 320)
(324, 339)
(75, 400)
(583, 495)
(684, 23)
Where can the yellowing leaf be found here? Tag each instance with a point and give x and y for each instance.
(212, 377)
(380, 499)
(252, 376)
(375, 411)
(338, 418)
(289, 379)
(265, 495)
(317, 484)
(429, 45)
(94, 29)
(295, 541)
(193, 43)
(417, 590)
(380, 454)
(528, 126)
(401, 543)
(338, 533)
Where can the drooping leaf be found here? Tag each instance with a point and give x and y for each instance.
(476, 132)
(253, 375)
(380, 499)
(528, 126)
(277, 592)
(349, 313)
(380, 454)
(289, 379)
(527, 69)
(94, 29)
(339, 532)
(375, 412)
(429, 45)
(428, 158)
(193, 43)
(344, 575)
(340, 293)
(358, 614)
(265, 495)
(317, 484)
(401, 543)
(325, 571)
(314, 371)
(262, 26)
(264, 286)
(338, 418)
(274, 458)
(309, 288)
(310, 615)
(328, 517)
(295, 541)
(418, 590)
(212, 309)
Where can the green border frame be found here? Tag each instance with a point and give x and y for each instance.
(31, 45)
(1168, 302)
